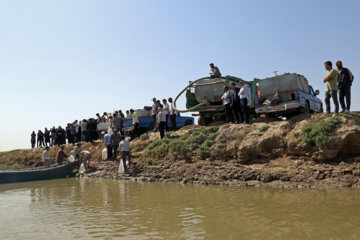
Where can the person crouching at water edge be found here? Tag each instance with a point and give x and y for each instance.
(61, 155)
(46, 157)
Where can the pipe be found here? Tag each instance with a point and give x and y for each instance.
(197, 106)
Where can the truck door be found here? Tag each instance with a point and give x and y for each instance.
(313, 102)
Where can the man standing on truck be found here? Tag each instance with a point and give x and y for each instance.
(228, 102)
(331, 81)
(215, 72)
(344, 83)
(244, 95)
(236, 103)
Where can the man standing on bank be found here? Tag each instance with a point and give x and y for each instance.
(244, 96)
(236, 104)
(124, 148)
(344, 83)
(115, 141)
(215, 72)
(331, 81)
(228, 102)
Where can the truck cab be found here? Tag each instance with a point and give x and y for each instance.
(286, 95)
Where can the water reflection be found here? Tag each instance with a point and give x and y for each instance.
(105, 209)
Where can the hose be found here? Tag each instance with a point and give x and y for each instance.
(197, 106)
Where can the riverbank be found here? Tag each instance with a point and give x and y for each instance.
(314, 151)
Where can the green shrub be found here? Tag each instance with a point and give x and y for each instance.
(197, 139)
(296, 134)
(214, 129)
(204, 130)
(260, 134)
(155, 143)
(319, 133)
(223, 141)
(346, 115)
(178, 146)
(185, 136)
(203, 152)
(208, 143)
(221, 145)
(194, 146)
(212, 136)
(264, 128)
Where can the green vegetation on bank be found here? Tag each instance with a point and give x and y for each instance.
(320, 133)
(198, 140)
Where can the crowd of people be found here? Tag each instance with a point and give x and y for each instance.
(236, 98)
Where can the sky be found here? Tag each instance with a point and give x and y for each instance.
(66, 60)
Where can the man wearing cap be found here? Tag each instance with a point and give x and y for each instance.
(215, 72)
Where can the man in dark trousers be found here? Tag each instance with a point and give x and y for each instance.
(115, 140)
(344, 83)
(236, 104)
(228, 102)
(33, 139)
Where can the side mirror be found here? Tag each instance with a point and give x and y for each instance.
(317, 92)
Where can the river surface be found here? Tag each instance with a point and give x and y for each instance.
(108, 209)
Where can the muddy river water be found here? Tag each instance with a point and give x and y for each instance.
(108, 209)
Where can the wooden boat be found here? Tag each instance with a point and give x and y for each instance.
(38, 173)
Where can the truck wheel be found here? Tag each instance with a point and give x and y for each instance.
(306, 108)
(188, 122)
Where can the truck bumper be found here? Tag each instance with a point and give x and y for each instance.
(278, 108)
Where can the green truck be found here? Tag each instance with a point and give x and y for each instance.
(204, 96)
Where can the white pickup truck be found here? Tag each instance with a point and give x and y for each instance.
(285, 95)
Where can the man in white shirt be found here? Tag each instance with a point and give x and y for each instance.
(46, 157)
(161, 121)
(166, 109)
(228, 102)
(244, 95)
(172, 114)
(124, 148)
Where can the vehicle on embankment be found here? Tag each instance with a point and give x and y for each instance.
(146, 122)
(286, 95)
(204, 96)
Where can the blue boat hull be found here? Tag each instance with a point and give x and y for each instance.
(40, 173)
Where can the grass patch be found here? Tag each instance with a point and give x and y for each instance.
(203, 152)
(296, 134)
(264, 128)
(221, 145)
(185, 136)
(212, 136)
(346, 115)
(260, 134)
(319, 133)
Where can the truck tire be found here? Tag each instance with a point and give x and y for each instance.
(307, 108)
(188, 122)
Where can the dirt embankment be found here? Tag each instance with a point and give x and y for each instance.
(306, 151)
